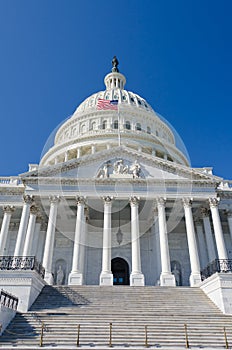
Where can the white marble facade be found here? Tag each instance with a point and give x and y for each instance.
(116, 201)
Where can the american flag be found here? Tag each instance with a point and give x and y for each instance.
(107, 104)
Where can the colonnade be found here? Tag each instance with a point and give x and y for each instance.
(30, 225)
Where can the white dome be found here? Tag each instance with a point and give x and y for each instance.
(91, 129)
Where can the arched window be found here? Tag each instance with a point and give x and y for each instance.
(83, 128)
(104, 124)
(93, 126)
(148, 130)
(138, 127)
(128, 125)
(115, 124)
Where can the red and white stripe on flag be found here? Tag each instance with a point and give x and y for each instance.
(107, 104)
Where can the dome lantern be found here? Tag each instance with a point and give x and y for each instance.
(115, 80)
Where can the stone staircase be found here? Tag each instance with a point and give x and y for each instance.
(163, 310)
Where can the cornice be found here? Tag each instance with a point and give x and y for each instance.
(160, 163)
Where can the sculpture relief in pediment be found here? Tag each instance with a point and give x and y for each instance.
(119, 168)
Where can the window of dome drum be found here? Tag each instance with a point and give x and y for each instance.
(128, 126)
(115, 124)
(138, 127)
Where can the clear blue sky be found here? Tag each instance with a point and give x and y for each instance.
(175, 53)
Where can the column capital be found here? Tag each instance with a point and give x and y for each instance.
(34, 210)
(80, 200)
(107, 200)
(205, 212)
(161, 202)
(187, 202)
(28, 199)
(9, 209)
(54, 199)
(134, 200)
(213, 202)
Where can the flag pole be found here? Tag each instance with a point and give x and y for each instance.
(119, 136)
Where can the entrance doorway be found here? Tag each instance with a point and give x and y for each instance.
(120, 271)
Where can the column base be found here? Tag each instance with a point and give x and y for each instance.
(167, 279)
(137, 279)
(106, 279)
(48, 277)
(75, 278)
(195, 279)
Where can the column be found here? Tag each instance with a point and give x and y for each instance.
(76, 275)
(34, 248)
(78, 152)
(208, 235)
(93, 149)
(8, 211)
(220, 243)
(229, 219)
(50, 238)
(136, 276)
(83, 242)
(23, 225)
(201, 244)
(156, 246)
(195, 276)
(106, 277)
(30, 231)
(166, 276)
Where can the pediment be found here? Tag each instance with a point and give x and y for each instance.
(120, 163)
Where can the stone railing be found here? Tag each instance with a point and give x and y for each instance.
(8, 300)
(10, 180)
(218, 265)
(21, 263)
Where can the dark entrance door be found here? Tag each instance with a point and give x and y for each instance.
(120, 271)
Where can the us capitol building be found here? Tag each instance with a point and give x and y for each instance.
(114, 201)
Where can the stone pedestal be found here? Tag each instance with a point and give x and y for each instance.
(137, 279)
(167, 280)
(6, 315)
(218, 288)
(25, 285)
(75, 278)
(106, 279)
